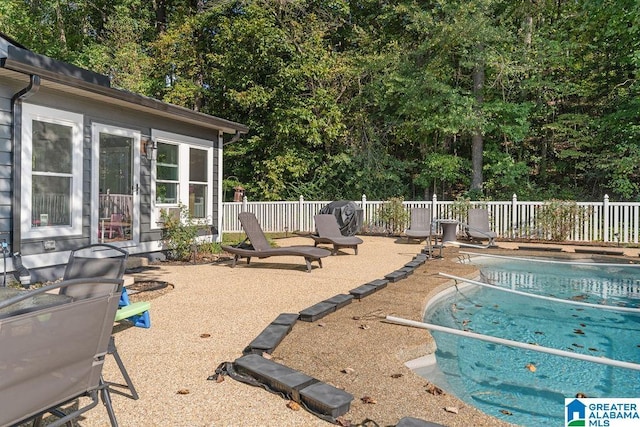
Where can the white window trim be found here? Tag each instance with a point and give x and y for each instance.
(184, 143)
(32, 112)
(96, 130)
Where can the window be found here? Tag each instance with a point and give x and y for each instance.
(52, 172)
(167, 173)
(182, 175)
(197, 183)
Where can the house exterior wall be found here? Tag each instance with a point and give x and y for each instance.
(33, 250)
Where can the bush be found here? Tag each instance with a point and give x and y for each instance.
(558, 218)
(179, 234)
(393, 214)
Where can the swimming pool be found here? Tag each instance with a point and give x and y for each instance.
(527, 387)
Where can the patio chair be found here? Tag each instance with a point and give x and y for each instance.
(52, 349)
(259, 247)
(421, 228)
(114, 228)
(328, 231)
(479, 228)
(103, 261)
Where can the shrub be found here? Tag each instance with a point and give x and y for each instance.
(393, 214)
(179, 234)
(558, 218)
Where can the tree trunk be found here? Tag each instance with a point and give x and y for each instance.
(477, 143)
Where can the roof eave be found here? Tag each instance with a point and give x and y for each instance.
(27, 62)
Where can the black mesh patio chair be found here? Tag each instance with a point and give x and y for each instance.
(100, 260)
(52, 348)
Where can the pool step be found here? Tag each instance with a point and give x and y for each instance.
(316, 395)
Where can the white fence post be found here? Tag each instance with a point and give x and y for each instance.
(300, 213)
(364, 209)
(605, 218)
(245, 201)
(514, 215)
(434, 206)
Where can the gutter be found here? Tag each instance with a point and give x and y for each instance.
(16, 137)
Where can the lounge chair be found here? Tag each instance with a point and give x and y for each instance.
(421, 228)
(260, 248)
(478, 227)
(329, 232)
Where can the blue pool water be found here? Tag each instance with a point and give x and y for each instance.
(526, 387)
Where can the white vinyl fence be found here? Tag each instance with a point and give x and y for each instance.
(604, 221)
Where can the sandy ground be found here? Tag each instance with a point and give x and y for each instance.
(214, 311)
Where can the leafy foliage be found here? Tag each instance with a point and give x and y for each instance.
(387, 99)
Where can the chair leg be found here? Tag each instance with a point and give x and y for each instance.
(114, 351)
(106, 401)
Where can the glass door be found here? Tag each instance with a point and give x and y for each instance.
(118, 165)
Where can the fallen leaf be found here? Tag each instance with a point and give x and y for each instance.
(577, 345)
(356, 317)
(435, 390)
(183, 391)
(578, 331)
(396, 375)
(581, 395)
(322, 324)
(504, 411)
(365, 327)
(531, 367)
(205, 335)
(368, 399)
(267, 355)
(348, 371)
(539, 333)
(220, 379)
(294, 406)
(343, 422)
(593, 349)
(451, 409)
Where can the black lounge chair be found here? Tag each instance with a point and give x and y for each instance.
(260, 248)
(479, 228)
(328, 231)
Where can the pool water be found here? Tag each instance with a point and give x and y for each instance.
(526, 387)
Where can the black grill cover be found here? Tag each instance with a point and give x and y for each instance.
(347, 213)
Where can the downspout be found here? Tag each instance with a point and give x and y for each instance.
(235, 137)
(22, 272)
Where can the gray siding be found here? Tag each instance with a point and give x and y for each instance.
(6, 163)
(95, 112)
